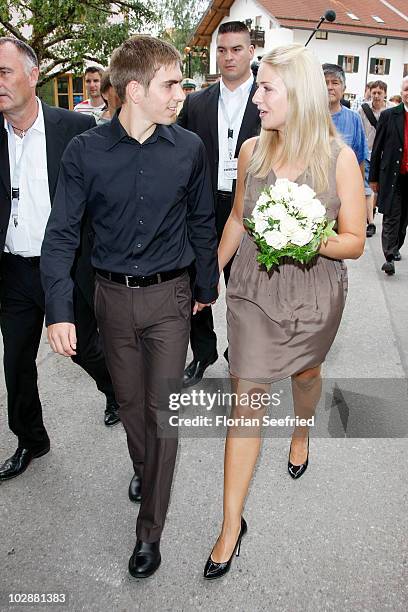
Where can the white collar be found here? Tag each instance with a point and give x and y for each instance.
(406, 107)
(38, 124)
(243, 88)
(370, 104)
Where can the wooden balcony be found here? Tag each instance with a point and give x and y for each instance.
(257, 37)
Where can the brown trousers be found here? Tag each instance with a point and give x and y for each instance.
(145, 333)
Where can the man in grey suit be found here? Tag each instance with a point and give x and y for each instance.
(389, 177)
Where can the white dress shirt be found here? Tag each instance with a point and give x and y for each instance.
(234, 105)
(34, 203)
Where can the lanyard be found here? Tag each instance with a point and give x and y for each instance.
(15, 188)
(230, 133)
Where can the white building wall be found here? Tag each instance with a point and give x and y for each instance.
(326, 50)
(349, 44)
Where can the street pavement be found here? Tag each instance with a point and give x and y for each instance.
(336, 540)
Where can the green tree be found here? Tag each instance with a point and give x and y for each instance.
(66, 33)
(178, 20)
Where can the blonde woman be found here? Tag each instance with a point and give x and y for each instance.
(282, 323)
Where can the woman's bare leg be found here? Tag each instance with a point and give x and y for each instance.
(242, 446)
(306, 391)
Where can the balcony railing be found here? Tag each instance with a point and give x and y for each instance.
(257, 37)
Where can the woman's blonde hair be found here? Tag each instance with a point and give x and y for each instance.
(309, 128)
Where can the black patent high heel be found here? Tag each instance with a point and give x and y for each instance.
(216, 570)
(296, 471)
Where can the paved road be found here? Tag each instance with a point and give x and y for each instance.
(335, 540)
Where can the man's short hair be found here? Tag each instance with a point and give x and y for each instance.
(94, 69)
(105, 81)
(234, 27)
(28, 52)
(335, 70)
(379, 84)
(397, 99)
(138, 59)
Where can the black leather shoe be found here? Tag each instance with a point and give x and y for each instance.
(371, 229)
(195, 371)
(296, 471)
(135, 489)
(111, 413)
(145, 560)
(389, 268)
(19, 462)
(216, 570)
(397, 256)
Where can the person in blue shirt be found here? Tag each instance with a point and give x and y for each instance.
(348, 123)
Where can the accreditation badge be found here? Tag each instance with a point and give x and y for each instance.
(230, 169)
(18, 238)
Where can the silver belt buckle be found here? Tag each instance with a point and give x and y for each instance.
(127, 283)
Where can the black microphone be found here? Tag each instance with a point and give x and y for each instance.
(328, 16)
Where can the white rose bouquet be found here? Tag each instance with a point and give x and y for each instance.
(288, 221)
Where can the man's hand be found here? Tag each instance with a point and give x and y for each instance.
(374, 187)
(62, 338)
(198, 307)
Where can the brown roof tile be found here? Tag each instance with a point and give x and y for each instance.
(305, 14)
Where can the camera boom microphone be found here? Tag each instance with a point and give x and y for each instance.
(329, 15)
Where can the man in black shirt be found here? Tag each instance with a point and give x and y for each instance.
(146, 186)
(224, 116)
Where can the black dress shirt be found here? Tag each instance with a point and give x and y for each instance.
(150, 206)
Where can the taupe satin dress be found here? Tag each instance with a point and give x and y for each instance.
(283, 322)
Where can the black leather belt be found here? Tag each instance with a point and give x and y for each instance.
(140, 281)
(35, 261)
(224, 195)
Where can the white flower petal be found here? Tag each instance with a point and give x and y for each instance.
(276, 239)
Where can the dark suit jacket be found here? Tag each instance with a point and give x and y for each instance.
(60, 127)
(200, 115)
(387, 155)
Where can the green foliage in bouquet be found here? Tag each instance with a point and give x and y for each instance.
(288, 221)
(270, 257)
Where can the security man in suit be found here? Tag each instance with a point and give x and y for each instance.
(224, 116)
(389, 177)
(33, 137)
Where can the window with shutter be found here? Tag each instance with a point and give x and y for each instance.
(348, 63)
